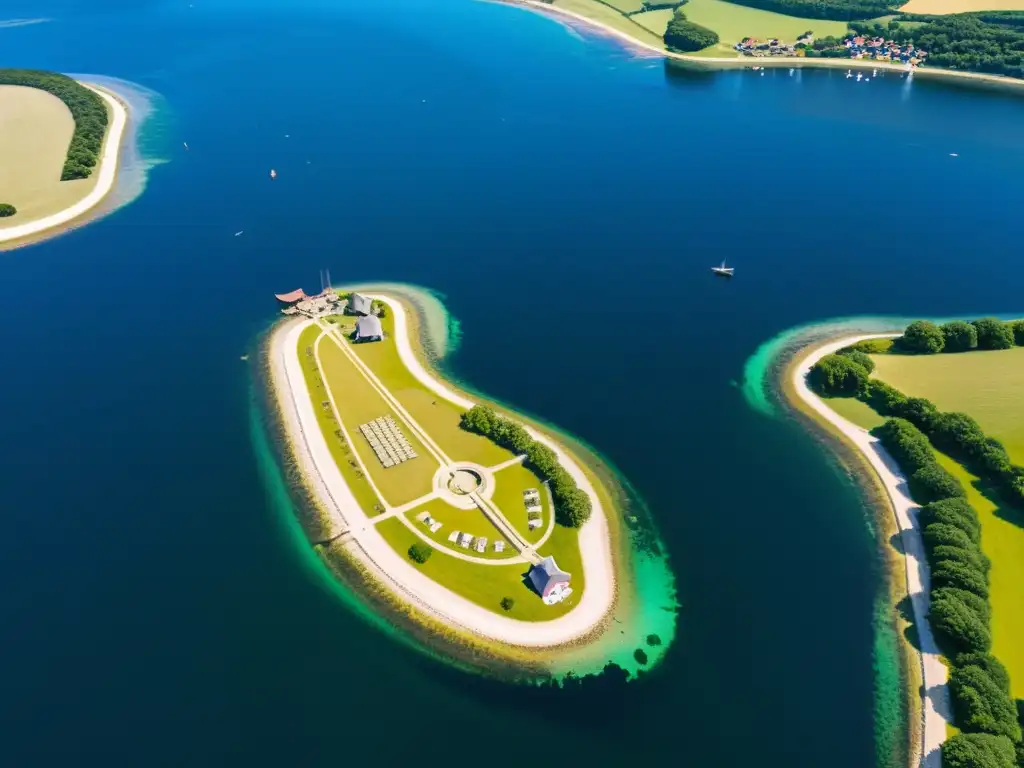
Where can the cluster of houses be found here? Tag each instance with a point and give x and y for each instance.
(751, 46)
(880, 49)
(327, 302)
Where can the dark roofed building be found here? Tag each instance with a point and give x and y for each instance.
(368, 329)
(550, 581)
(358, 305)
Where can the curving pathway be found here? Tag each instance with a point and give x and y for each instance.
(107, 175)
(935, 695)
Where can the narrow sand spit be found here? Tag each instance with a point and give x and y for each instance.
(389, 567)
(107, 175)
(935, 694)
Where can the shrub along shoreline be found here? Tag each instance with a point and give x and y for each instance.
(960, 611)
(572, 505)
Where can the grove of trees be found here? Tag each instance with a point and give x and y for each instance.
(87, 109)
(685, 36)
(6, 209)
(420, 552)
(572, 505)
(837, 10)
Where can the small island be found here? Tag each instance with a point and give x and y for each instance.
(59, 146)
(472, 521)
(937, 412)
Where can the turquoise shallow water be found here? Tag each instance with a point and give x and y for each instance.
(566, 200)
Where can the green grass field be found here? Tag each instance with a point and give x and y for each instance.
(484, 585)
(508, 496)
(626, 6)
(656, 21)
(607, 15)
(471, 521)
(358, 402)
(735, 22)
(341, 452)
(986, 385)
(990, 387)
(436, 415)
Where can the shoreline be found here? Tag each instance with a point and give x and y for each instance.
(934, 694)
(974, 79)
(385, 566)
(40, 229)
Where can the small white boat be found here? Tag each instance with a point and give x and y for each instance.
(185, 143)
(722, 270)
(239, 232)
(860, 76)
(791, 71)
(849, 74)
(874, 73)
(273, 173)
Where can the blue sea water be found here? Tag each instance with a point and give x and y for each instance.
(567, 199)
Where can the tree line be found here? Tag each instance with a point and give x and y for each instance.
(572, 505)
(926, 338)
(835, 10)
(989, 41)
(87, 109)
(684, 36)
(960, 612)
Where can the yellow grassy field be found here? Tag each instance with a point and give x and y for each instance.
(961, 6)
(35, 130)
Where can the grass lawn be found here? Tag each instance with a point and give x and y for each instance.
(34, 133)
(952, 382)
(608, 16)
(626, 6)
(656, 21)
(358, 402)
(961, 6)
(852, 409)
(436, 415)
(1002, 539)
(471, 521)
(341, 452)
(735, 22)
(484, 585)
(986, 385)
(509, 484)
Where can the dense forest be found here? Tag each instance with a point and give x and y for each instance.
(88, 110)
(685, 36)
(835, 10)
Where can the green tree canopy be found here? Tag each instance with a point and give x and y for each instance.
(955, 512)
(922, 337)
(837, 375)
(6, 209)
(862, 359)
(959, 336)
(951, 573)
(993, 668)
(981, 705)
(977, 750)
(934, 482)
(958, 628)
(993, 333)
(685, 36)
(1018, 332)
(420, 552)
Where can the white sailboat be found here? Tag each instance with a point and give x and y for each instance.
(723, 270)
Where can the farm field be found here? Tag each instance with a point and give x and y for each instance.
(626, 6)
(607, 15)
(35, 130)
(656, 21)
(986, 385)
(961, 6)
(735, 22)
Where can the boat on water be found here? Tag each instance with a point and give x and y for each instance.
(273, 173)
(186, 144)
(849, 73)
(723, 270)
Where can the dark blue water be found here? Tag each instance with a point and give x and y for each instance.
(568, 199)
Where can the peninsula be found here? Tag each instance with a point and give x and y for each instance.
(936, 413)
(470, 520)
(871, 35)
(59, 147)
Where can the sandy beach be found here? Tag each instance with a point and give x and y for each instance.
(389, 568)
(935, 694)
(744, 62)
(106, 173)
